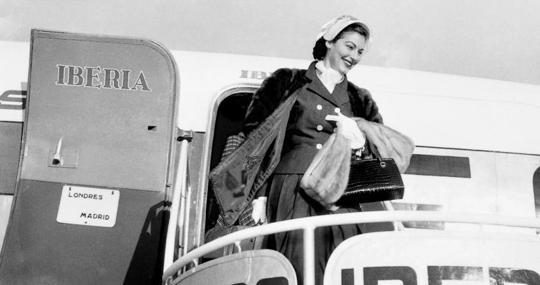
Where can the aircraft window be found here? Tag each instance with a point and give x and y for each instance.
(536, 189)
(229, 121)
(438, 165)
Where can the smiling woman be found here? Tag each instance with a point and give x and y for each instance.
(319, 91)
(342, 51)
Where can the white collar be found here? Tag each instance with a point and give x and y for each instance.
(328, 76)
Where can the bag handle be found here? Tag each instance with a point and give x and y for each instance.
(374, 150)
(376, 153)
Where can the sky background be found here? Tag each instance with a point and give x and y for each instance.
(495, 39)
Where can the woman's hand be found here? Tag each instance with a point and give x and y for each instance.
(349, 129)
(259, 210)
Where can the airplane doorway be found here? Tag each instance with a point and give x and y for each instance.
(229, 121)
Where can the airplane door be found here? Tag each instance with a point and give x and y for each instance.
(97, 164)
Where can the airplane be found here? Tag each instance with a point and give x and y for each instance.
(162, 118)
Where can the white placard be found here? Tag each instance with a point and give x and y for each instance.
(88, 206)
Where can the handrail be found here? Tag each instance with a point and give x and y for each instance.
(309, 224)
(176, 218)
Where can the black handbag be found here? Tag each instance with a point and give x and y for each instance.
(372, 180)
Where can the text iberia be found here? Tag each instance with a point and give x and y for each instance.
(101, 77)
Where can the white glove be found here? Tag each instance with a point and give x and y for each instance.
(259, 210)
(349, 129)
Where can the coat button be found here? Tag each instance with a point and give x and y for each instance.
(319, 107)
(319, 128)
(318, 146)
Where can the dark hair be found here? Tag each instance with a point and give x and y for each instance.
(320, 49)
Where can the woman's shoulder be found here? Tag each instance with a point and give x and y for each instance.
(282, 81)
(361, 93)
(363, 104)
(287, 74)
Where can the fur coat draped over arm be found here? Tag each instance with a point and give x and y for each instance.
(389, 142)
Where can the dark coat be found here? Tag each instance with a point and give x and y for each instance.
(251, 164)
(307, 127)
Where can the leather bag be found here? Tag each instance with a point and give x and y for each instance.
(332, 179)
(372, 180)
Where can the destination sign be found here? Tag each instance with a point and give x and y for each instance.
(88, 206)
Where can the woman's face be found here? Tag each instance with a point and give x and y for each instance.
(343, 54)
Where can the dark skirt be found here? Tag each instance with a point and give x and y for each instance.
(286, 200)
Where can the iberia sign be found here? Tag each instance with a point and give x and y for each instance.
(88, 206)
(101, 77)
(436, 258)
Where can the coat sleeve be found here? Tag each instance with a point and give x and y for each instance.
(363, 104)
(267, 98)
(371, 111)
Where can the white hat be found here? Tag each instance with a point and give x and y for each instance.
(332, 28)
